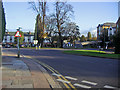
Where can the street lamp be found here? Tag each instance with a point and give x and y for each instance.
(104, 36)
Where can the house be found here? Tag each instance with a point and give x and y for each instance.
(107, 29)
(118, 25)
(28, 37)
(9, 38)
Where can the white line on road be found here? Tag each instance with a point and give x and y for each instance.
(54, 74)
(107, 86)
(68, 77)
(89, 82)
(82, 86)
(63, 81)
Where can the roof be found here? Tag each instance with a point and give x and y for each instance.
(28, 35)
(25, 34)
(108, 24)
(118, 20)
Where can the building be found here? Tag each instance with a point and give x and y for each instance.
(28, 37)
(118, 21)
(9, 38)
(118, 9)
(106, 30)
(118, 25)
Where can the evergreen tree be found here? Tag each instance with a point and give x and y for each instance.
(83, 38)
(3, 22)
(89, 36)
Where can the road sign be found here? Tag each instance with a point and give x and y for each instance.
(35, 41)
(18, 34)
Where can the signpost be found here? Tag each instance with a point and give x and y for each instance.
(35, 42)
(18, 35)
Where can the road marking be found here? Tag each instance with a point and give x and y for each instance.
(82, 86)
(92, 83)
(68, 77)
(53, 71)
(63, 81)
(54, 74)
(107, 86)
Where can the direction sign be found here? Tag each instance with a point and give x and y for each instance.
(18, 34)
(35, 41)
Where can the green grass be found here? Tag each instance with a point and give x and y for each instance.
(93, 53)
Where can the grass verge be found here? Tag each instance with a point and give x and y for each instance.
(95, 53)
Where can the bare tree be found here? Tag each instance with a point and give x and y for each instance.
(72, 31)
(63, 11)
(40, 8)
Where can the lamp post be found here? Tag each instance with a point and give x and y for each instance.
(104, 36)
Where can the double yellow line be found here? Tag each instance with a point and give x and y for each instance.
(55, 71)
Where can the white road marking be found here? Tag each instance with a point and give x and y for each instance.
(68, 77)
(63, 81)
(107, 86)
(92, 83)
(82, 86)
(54, 74)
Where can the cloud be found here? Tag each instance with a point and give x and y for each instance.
(92, 30)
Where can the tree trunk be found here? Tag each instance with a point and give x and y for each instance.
(60, 40)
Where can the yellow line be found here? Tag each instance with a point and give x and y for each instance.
(69, 83)
(57, 76)
(51, 69)
(63, 78)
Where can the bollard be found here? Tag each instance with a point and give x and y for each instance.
(36, 47)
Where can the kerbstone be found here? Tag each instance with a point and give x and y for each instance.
(9, 82)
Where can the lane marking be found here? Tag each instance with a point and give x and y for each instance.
(82, 86)
(53, 71)
(68, 77)
(89, 82)
(54, 74)
(63, 81)
(48, 67)
(107, 86)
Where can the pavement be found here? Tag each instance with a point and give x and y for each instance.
(24, 73)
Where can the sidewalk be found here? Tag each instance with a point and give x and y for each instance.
(24, 73)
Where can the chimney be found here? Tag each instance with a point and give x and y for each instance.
(29, 33)
(7, 32)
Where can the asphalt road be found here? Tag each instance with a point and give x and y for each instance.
(104, 72)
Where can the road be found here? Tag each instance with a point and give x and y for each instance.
(89, 71)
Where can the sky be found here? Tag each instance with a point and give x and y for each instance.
(87, 15)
